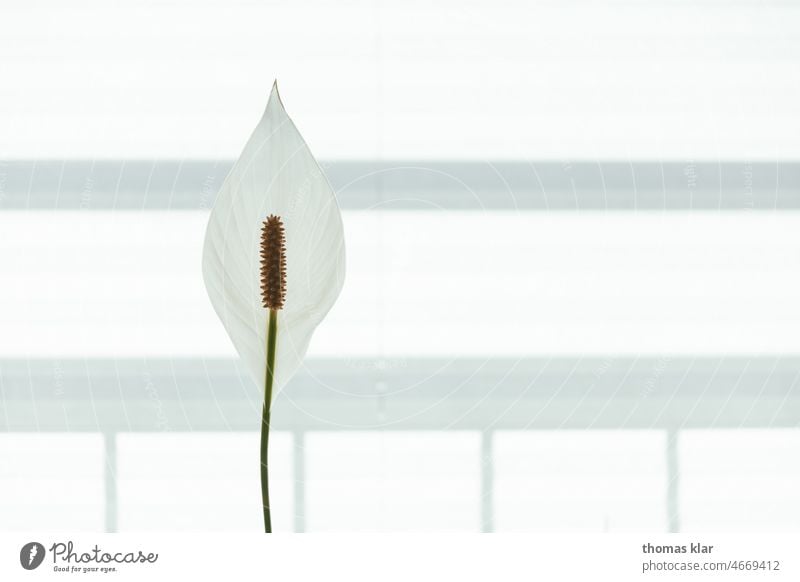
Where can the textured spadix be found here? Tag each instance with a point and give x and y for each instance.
(275, 175)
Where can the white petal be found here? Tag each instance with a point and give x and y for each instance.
(276, 174)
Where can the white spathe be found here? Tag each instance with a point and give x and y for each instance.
(275, 174)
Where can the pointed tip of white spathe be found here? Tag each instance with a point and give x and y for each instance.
(274, 97)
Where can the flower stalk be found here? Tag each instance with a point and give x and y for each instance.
(272, 332)
(273, 293)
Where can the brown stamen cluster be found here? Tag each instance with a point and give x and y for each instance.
(273, 263)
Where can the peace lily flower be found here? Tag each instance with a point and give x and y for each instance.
(273, 258)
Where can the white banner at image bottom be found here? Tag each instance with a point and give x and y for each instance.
(387, 557)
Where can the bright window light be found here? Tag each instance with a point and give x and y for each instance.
(395, 481)
(52, 481)
(580, 480)
(201, 481)
(421, 284)
(476, 79)
(742, 480)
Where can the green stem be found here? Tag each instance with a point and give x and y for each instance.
(272, 332)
